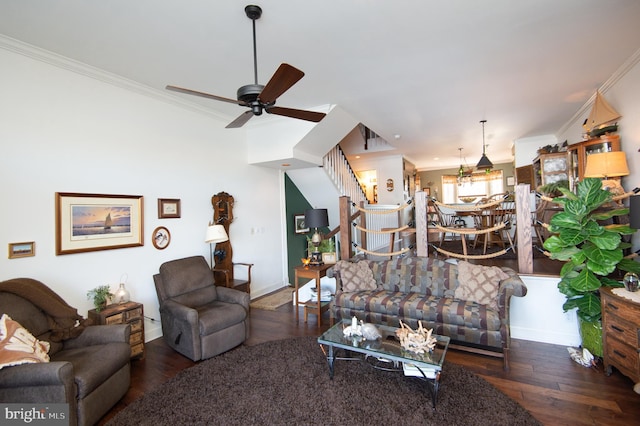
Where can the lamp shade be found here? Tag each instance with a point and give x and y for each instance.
(316, 218)
(484, 163)
(634, 212)
(606, 165)
(216, 234)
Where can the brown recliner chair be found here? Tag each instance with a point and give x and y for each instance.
(89, 366)
(199, 320)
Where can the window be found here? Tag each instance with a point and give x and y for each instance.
(480, 185)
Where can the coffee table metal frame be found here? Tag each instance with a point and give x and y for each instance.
(386, 353)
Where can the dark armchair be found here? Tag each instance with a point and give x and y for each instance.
(199, 320)
(89, 366)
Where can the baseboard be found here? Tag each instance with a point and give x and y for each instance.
(546, 336)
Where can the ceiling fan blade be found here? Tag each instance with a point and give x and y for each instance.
(297, 113)
(284, 77)
(240, 121)
(203, 94)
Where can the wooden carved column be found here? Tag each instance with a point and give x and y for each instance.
(223, 253)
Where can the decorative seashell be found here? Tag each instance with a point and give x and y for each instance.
(584, 357)
(370, 332)
(351, 331)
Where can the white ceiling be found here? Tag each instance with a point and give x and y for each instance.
(426, 70)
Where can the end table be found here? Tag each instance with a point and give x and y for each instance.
(312, 272)
(126, 313)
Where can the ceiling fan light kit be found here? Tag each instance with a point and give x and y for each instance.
(484, 163)
(258, 97)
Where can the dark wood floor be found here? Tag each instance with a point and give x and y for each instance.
(543, 378)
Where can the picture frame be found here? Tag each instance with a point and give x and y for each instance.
(511, 181)
(161, 238)
(92, 222)
(24, 249)
(329, 258)
(168, 208)
(299, 224)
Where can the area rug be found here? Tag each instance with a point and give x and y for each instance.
(287, 382)
(273, 301)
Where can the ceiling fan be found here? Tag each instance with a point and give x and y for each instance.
(258, 97)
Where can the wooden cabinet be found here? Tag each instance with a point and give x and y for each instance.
(126, 313)
(578, 152)
(550, 168)
(621, 334)
(524, 174)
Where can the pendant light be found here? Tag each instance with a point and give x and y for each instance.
(484, 163)
(465, 174)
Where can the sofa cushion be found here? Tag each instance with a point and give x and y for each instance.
(356, 276)
(479, 283)
(413, 306)
(217, 316)
(109, 358)
(423, 275)
(18, 346)
(185, 275)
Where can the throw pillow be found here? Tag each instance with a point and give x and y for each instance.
(18, 346)
(479, 283)
(356, 276)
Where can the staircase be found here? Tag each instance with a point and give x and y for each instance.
(337, 167)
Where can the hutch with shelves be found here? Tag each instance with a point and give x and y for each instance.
(577, 155)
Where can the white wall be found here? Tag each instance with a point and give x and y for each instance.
(526, 149)
(539, 317)
(388, 167)
(62, 130)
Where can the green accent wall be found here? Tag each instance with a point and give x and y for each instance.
(295, 203)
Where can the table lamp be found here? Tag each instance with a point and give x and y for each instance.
(316, 218)
(215, 234)
(608, 165)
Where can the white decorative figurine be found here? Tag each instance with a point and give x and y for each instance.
(354, 329)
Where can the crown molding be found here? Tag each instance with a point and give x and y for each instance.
(63, 62)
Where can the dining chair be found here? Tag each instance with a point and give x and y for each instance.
(448, 220)
(494, 215)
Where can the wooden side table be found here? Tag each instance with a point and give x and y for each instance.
(621, 334)
(312, 272)
(126, 313)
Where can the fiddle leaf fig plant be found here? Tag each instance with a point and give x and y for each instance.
(591, 251)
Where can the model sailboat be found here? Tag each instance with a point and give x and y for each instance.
(108, 222)
(602, 119)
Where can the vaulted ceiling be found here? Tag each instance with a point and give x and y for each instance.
(419, 73)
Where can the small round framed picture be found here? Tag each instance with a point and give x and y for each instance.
(161, 238)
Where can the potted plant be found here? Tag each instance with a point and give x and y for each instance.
(593, 253)
(100, 296)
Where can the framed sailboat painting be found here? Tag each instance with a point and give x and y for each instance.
(91, 222)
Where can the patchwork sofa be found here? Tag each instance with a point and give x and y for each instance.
(469, 303)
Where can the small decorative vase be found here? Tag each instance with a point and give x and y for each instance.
(631, 282)
(121, 295)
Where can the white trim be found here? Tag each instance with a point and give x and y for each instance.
(86, 70)
(628, 65)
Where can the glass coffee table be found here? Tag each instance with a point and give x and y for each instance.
(386, 353)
